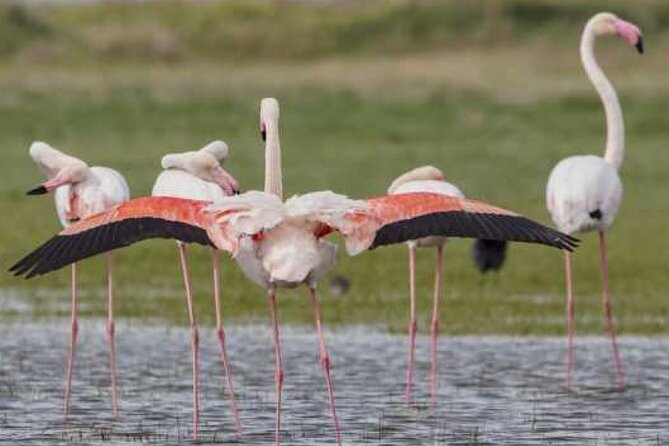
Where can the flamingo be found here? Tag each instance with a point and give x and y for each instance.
(199, 175)
(81, 191)
(583, 192)
(424, 179)
(280, 244)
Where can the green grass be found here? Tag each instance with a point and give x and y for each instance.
(495, 120)
(356, 146)
(179, 32)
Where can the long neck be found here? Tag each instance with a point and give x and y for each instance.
(615, 127)
(273, 180)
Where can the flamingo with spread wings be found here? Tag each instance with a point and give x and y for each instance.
(281, 244)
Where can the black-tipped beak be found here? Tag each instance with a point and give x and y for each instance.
(639, 45)
(263, 134)
(39, 190)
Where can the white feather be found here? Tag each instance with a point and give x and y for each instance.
(580, 185)
(103, 188)
(51, 160)
(436, 187)
(254, 211)
(181, 184)
(218, 149)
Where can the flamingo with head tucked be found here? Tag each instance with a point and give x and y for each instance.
(584, 192)
(281, 244)
(424, 179)
(81, 191)
(199, 175)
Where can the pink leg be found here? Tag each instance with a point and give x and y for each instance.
(412, 322)
(434, 328)
(73, 341)
(110, 333)
(606, 301)
(569, 358)
(220, 334)
(325, 362)
(278, 370)
(195, 338)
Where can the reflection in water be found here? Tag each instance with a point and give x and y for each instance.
(492, 390)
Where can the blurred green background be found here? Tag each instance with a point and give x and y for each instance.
(490, 91)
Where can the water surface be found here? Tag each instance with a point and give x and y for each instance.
(491, 390)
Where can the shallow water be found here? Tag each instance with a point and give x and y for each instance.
(491, 390)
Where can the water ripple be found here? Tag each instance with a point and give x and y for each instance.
(491, 390)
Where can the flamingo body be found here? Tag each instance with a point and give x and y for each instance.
(79, 192)
(198, 175)
(583, 194)
(103, 188)
(425, 179)
(181, 184)
(282, 241)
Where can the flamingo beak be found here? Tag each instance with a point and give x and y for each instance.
(59, 180)
(263, 131)
(39, 190)
(631, 33)
(227, 182)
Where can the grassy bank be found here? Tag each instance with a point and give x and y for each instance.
(494, 119)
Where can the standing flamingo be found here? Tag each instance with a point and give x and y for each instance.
(81, 191)
(281, 244)
(199, 176)
(424, 179)
(583, 192)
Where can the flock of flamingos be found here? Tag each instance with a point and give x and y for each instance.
(281, 243)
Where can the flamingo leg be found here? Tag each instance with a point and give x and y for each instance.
(220, 334)
(110, 332)
(412, 322)
(569, 358)
(608, 311)
(73, 342)
(195, 338)
(278, 370)
(434, 328)
(325, 362)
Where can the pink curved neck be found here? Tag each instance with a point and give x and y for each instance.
(615, 127)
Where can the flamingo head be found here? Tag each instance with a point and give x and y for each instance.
(606, 23)
(203, 165)
(218, 149)
(269, 115)
(60, 169)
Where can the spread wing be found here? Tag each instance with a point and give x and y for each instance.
(398, 218)
(220, 225)
(121, 225)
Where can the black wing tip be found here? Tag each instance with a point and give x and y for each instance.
(514, 228)
(571, 242)
(62, 250)
(39, 190)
